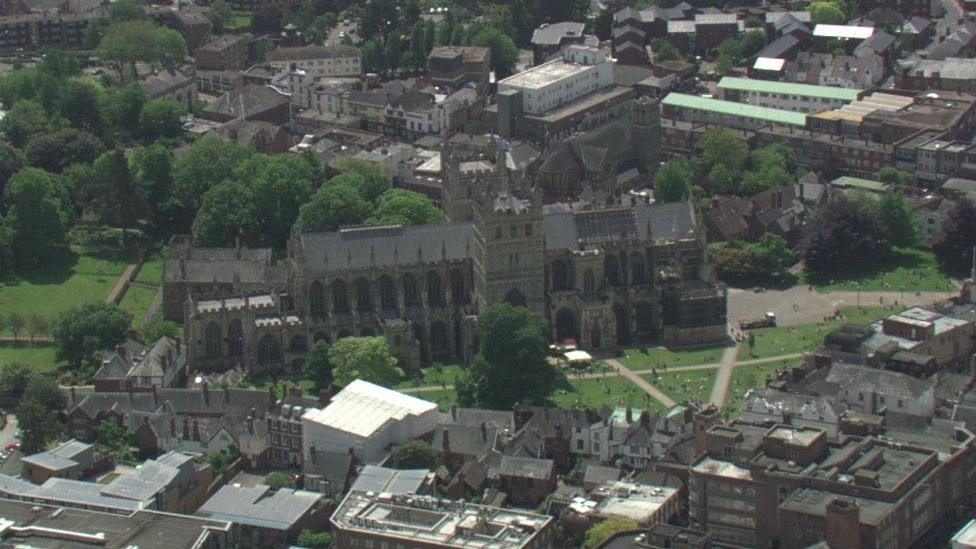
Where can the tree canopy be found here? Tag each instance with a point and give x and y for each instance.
(601, 531)
(846, 231)
(414, 454)
(365, 358)
(954, 245)
(511, 366)
(88, 329)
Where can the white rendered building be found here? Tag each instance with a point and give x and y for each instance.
(366, 418)
(580, 71)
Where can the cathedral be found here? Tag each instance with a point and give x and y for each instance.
(602, 276)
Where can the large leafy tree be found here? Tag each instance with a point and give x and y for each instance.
(125, 42)
(954, 244)
(279, 186)
(601, 531)
(403, 207)
(14, 377)
(10, 163)
(127, 106)
(25, 120)
(57, 150)
(153, 167)
(365, 358)
(720, 146)
(511, 366)
(415, 454)
(37, 214)
(161, 118)
(88, 329)
(372, 184)
(331, 207)
(81, 106)
(897, 220)
(317, 366)
(504, 53)
(227, 213)
(119, 200)
(673, 181)
(205, 163)
(846, 231)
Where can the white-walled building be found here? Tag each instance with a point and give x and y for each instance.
(580, 71)
(319, 61)
(367, 418)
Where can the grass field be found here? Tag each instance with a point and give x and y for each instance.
(907, 270)
(443, 399)
(783, 340)
(746, 377)
(637, 358)
(594, 393)
(685, 386)
(443, 376)
(136, 301)
(39, 356)
(152, 269)
(66, 280)
(241, 20)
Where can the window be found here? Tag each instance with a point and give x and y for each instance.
(528, 230)
(513, 231)
(498, 232)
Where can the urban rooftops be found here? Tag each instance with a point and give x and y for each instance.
(786, 88)
(733, 108)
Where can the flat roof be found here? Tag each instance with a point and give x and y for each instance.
(542, 75)
(843, 31)
(736, 109)
(720, 468)
(859, 183)
(788, 88)
(966, 536)
(769, 64)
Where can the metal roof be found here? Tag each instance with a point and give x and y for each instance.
(362, 407)
(735, 109)
(787, 88)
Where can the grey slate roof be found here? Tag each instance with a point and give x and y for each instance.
(863, 378)
(247, 101)
(256, 506)
(524, 467)
(313, 52)
(567, 230)
(386, 246)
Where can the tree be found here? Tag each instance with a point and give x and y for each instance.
(23, 121)
(897, 220)
(170, 44)
(162, 328)
(752, 43)
(161, 118)
(504, 53)
(36, 214)
(314, 540)
(16, 323)
(10, 163)
(373, 183)
(664, 50)
(720, 146)
(894, 176)
(14, 377)
(110, 437)
(394, 48)
(317, 366)
(205, 163)
(723, 64)
(511, 366)
(365, 358)
(38, 414)
(277, 480)
(128, 106)
(153, 167)
(414, 454)
(672, 181)
(118, 197)
(844, 232)
(87, 329)
(125, 42)
(772, 255)
(826, 12)
(220, 14)
(954, 245)
(39, 326)
(80, 105)
(279, 186)
(127, 10)
(731, 48)
(601, 531)
(403, 207)
(227, 213)
(374, 56)
(331, 207)
(57, 150)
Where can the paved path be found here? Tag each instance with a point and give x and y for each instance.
(154, 307)
(724, 375)
(27, 339)
(813, 306)
(641, 382)
(121, 283)
(9, 433)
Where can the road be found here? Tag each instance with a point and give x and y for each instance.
(9, 433)
(813, 306)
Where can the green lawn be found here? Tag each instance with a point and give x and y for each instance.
(685, 386)
(442, 375)
(783, 340)
(753, 376)
(66, 280)
(637, 358)
(40, 356)
(443, 398)
(136, 300)
(907, 270)
(594, 393)
(152, 269)
(240, 20)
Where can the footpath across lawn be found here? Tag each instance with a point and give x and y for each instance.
(66, 280)
(645, 358)
(687, 386)
(595, 393)
(907, 270)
